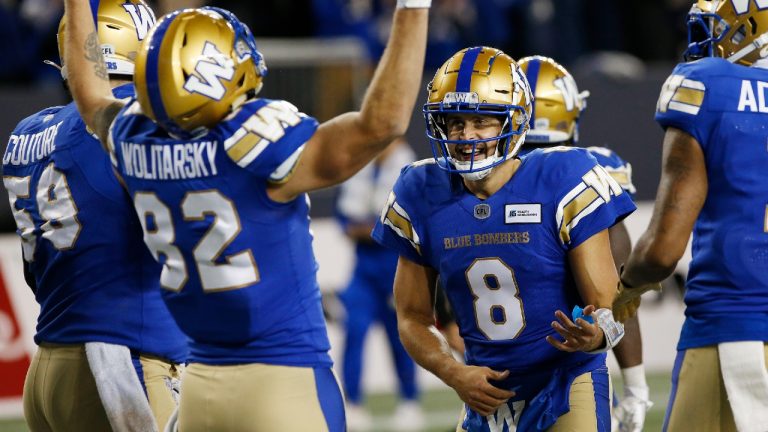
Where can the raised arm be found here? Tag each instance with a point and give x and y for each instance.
(679, 199)
(344, 144)
(428, 348)
(86, 72)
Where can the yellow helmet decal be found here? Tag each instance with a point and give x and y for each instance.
(557, 101)
(121, 25)
(195, 67)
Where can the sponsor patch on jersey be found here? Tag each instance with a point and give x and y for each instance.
(522, 213)
(482, 211)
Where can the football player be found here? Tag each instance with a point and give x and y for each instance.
(103, 328)
(515, 242)
(557, 107)
(714, 184)
(219, 178)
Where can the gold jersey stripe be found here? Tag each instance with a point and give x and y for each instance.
(621, 177)
(573, 209)
(689, 96)
(243, 146)
(766, 219)
(404, 225)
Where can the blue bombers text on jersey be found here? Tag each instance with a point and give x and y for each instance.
(723, 106)
(503, 261)
(239, 274)
(95, 279)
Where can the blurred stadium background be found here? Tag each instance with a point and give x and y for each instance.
(320, 54)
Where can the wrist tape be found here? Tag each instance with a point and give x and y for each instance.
(612, 330)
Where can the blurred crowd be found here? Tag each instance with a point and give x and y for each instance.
(568, 30)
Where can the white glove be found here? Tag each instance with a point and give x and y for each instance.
(629, 414)
(414, 4)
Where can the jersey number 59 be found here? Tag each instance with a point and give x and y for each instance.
(55, 207)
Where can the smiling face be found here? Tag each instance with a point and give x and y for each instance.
(472, 127)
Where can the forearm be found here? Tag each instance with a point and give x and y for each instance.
(621, 244)
(390, 98)
(87, 76)
(629, 352)
(644, 265)
(428, 348)
(360, 232)
(679, 199)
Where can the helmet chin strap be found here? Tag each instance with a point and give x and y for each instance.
(756, 44)
(482, 168)
(481, 171)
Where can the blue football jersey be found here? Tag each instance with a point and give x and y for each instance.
(239, 273)
(618, 168)
(95, 280)
(503, 261)
(724, 107)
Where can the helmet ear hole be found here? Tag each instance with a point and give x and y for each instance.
(739, 35)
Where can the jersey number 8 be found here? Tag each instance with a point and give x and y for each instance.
(498, 308)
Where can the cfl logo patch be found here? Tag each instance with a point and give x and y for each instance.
(482, 211)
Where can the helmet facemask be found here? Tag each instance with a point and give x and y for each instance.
(737, 32)
(514, 125)
(479, 81)
(705, 31)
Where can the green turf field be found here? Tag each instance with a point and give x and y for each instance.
(442, 408)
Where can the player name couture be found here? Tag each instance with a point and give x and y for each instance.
(29, 148)
(486, 239)
(169, 162)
